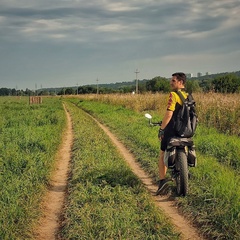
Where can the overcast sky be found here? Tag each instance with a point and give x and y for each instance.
(60, 43)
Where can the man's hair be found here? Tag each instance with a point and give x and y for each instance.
(180, 77)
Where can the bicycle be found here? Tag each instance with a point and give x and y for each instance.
(179, 156)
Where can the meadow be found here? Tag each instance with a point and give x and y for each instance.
(213, 203)
(105, 199)
(30, 136)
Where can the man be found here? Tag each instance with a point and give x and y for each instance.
(166, 131)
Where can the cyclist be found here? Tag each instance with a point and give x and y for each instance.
(166, 130)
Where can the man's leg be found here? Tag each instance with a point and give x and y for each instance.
(162, 174)
(161, 166)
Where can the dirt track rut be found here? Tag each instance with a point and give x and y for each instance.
(167, 205)
(53, 202)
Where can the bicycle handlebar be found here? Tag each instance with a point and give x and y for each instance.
(149, 117)
(155, 123)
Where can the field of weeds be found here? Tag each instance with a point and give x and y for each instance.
(213, 203)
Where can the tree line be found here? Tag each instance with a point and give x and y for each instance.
(226, 83)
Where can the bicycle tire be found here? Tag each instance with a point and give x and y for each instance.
(182, 176)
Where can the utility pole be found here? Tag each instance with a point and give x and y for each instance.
(137, 80)
(77, 88)
(97, 87)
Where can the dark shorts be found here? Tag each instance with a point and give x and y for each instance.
(169, 133)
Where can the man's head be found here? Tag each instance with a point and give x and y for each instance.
(178, 80)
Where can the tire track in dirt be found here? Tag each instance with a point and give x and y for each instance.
(187, 231)
(54, 199)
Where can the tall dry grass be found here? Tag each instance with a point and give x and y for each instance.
(136, 102)
(221, 111)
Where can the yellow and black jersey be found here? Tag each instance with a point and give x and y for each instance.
(174, 100)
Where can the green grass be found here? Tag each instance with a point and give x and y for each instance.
(106, 200)
(214, 199)
(213, 202)
(225, 148)
(30, 136)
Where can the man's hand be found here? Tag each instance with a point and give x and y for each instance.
(160, 134)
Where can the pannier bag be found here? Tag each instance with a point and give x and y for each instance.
(191, 156)
(170, 156)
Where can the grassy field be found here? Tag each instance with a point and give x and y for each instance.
(214, 200)
(30, 135)
(106, 200)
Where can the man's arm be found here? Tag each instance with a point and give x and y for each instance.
(166, 119)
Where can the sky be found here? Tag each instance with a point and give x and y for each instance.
(62, 43)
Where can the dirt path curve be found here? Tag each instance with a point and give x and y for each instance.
(182, 225)
(54, 200)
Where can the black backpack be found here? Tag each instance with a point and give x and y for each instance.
(186, 118)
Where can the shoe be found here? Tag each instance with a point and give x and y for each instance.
(162, 185)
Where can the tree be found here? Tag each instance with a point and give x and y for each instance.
(5, 91)
(86, 90)
(158, 84)
(69, 91)
(192, 86)
(228, 83)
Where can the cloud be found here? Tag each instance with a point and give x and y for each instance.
(179, 19)
(98, 34)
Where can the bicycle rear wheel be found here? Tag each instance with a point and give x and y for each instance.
(182, 176)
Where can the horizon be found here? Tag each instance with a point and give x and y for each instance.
(99, 84)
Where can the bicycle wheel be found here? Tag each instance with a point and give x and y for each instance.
(182, 176)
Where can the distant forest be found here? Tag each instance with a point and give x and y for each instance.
(221, 82)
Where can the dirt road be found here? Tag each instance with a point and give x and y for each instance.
(54, 200)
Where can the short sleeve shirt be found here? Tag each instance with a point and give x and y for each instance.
(173, 99)
(174, 102)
